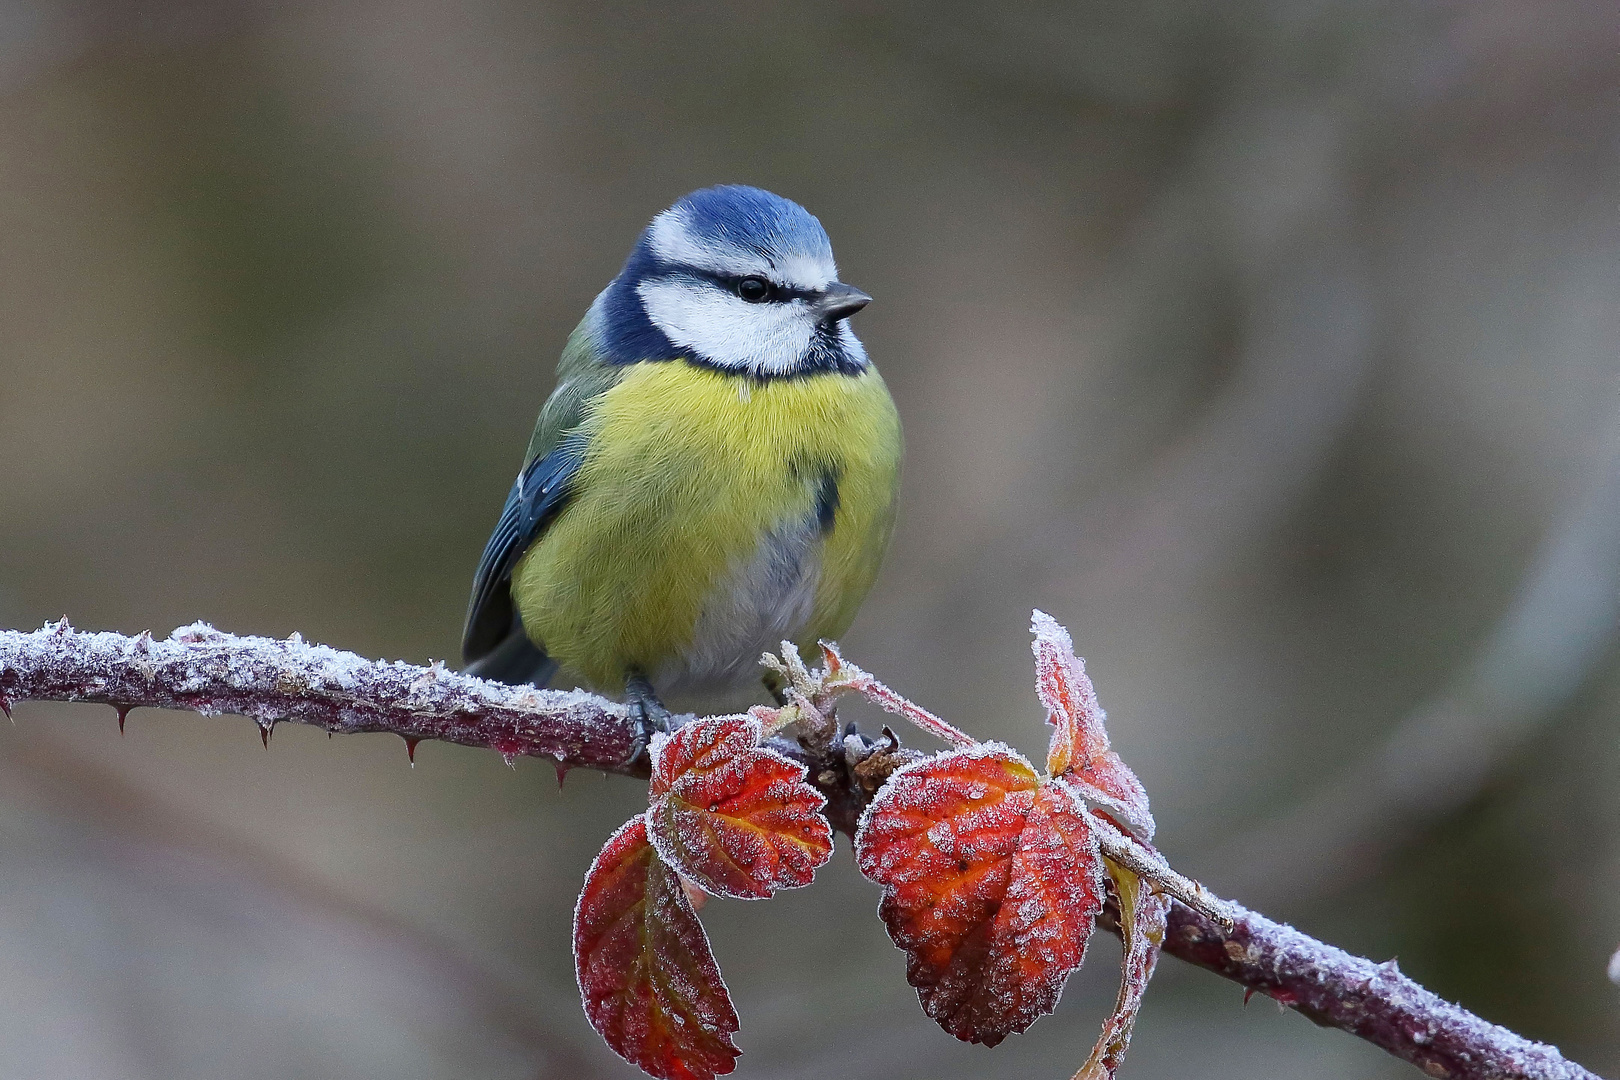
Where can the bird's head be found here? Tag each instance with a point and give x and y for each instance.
(738, 279)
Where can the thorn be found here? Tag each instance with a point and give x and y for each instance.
(1248, 992)
(509, 750)
(410, 748)
(562, 774)
(266, 729)
(5, 707)
(123, 714)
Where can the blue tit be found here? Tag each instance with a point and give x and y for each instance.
(715, 472)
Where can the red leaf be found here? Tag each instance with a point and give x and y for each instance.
(992, 881)
(651, 987)
(734, 817)
(1079, 753)
(1142, 922)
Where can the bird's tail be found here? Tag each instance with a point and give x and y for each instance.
(516, 660)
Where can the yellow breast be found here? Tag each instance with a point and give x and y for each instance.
(700, 523)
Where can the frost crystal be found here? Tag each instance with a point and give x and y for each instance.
(736, 818)
(1079, 753)
(992, 881)
(648, 979)
(204, 670)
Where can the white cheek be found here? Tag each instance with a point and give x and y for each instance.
(767, 339)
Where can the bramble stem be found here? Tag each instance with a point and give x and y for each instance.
(199, 669)
(1371, 1001)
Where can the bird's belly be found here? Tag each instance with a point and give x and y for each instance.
(700, 532)
(756, 606)
(687, 585)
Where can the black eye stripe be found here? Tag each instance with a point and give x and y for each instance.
(731, 283)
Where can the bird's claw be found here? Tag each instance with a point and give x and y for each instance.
(647, 714)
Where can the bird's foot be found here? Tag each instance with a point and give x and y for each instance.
(647, 713)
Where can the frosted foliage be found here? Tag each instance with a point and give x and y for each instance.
(1109, 786)
(648, 979)
(203, 670)
(992, 882)
(734, 817)
(1065, 689)
(200, 669)
(1079, 753)
(1142, 918)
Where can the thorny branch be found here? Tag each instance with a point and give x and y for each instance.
(1372, 1001)
(199, 669)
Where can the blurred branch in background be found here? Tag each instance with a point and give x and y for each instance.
(186, 903)
(1544, 648)
(201, 669)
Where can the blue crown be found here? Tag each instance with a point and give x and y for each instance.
(754, 219)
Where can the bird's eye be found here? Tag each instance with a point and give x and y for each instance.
(755, 290)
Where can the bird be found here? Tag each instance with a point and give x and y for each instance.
(715, 473)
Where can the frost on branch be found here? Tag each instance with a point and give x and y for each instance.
(736, 818)
(202, 670)
(664, 1003)
(649, 981)
(992, 883)
(812, 694)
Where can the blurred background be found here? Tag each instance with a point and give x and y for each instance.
(1271, 346)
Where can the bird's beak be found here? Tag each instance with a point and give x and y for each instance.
(838, 301)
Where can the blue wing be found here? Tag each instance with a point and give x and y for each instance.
(494, 644)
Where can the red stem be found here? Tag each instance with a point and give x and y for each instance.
(200, 669)
(1371, 1001)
